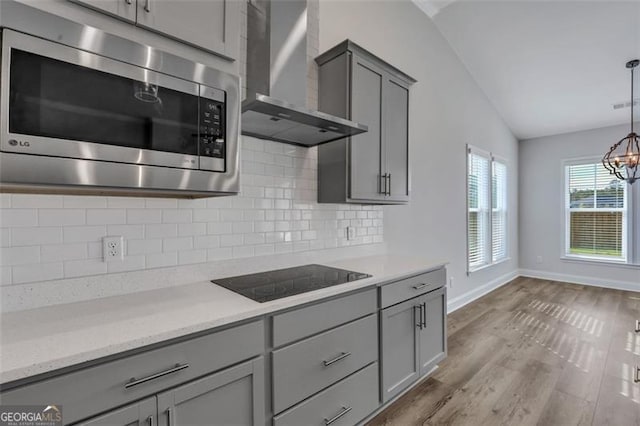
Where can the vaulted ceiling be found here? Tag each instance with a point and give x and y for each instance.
(551, 66)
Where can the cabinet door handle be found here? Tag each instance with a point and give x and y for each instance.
(150, 421)
(637, 326)
(342, 412)
(636, 376)
(418, 310)
(129, 2)
(342, 356)
(389, 185)
(420, 286)
(383, 184)
(169, 416)
(147, 6)
(424, 315)
(135, 382)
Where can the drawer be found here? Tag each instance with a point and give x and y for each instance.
(346, 403)
(408, 288)
(306, 367)
(95, 389)
(298, 324)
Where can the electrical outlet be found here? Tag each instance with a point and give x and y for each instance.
(351, 233)
(112, 249)
(450, 282)
(539, 259)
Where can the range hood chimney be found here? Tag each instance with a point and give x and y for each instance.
(275, 107)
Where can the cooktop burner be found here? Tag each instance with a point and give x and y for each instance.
(271, 285)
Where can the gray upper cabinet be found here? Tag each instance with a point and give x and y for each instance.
(212, 25)
(141, 413)
(123, 9)
(234, 396)
(373, 167)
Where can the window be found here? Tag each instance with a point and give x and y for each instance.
(595, 213)
(487, 209)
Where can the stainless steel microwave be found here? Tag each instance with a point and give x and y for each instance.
(83, 116)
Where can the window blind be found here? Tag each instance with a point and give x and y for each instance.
(478, 178)
(596, 213)
(499, 211)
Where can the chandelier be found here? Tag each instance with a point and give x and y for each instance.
(623, 158)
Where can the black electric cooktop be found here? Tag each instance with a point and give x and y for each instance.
(271, 285)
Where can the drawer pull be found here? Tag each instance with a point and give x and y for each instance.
(342, 356)
(169, 417)
(637, 326)
(636, 376)
(342, 412)
(135, 382)
(420, 286)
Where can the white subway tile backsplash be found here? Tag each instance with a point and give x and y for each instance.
(41, 272)
(31, 201)
(165, 230)
(12, 218)
(106, 217)
(10, 256)
(160, 260)
(61, 252)
(54, 236)
(138, 216)
(79, 268)
(40, 236)
(75, 234)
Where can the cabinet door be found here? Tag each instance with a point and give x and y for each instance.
(234, 396)
(138, 414)
(433, 335)
(365, 149)
(399, 337)
(210, 24)
(396, 139)
(125, 9)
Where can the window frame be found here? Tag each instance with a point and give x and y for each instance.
(488, 261)
(627, 213)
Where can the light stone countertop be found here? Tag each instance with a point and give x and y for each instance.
(40, 340)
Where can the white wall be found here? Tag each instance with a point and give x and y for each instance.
(448, 110)
(541, 208)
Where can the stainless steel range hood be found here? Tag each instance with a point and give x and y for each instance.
(277, 79)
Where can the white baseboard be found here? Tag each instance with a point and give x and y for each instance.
(579, 279)
(470, 296)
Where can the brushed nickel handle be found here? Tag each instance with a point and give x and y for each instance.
(135, 382)
(637, 326)
(389, 187)
(420, 286)
(150, 421)
(147, 6)
(169, 416)
(342, 412)
(383, 184)
(129, 2)
(636, 376)
(424, 315)
(340, 357)
(419, 314)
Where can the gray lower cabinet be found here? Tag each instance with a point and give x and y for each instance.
(372, 167)
(413, 340)
(234, 396)
(139, 414)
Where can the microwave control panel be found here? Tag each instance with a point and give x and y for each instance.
(212, 135)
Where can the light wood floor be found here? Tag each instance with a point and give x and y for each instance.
(533, 352)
